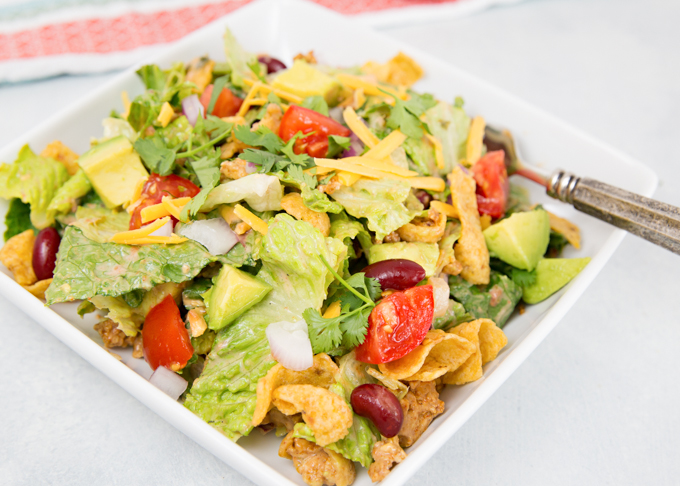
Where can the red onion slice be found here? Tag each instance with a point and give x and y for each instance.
(440, 292)
(192, 108)
(168, 382)
(289, 344)
(355, 147)
(215, 234)
(251, 168)
(165, 230)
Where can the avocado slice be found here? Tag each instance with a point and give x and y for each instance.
(304, 80)
(114, 169)
(551, 275)
(234, 293)
(520, 240)
(425, 254)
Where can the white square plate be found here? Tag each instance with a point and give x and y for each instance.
(284, 29)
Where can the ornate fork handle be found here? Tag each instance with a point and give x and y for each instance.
(652, 220)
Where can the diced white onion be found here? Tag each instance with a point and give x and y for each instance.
(441, 292)
(289, 344)
(168, 382)
(215, 234)
(192, 108)
(165, 230)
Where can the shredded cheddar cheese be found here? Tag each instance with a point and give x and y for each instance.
(228, 214)
(360, 130)
(165, 115)
(253, 221)
(475, 140)
(386, 146)
(430, 183)
(438, 150)
(347, 178)
(139, 233)
(445, 209)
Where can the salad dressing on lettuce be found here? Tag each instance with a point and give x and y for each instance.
(235, 195)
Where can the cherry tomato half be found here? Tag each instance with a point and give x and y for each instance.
(299, 119)
(493, 186)
(397, 325)
(158, 186)
(227, 103)
(164, 338)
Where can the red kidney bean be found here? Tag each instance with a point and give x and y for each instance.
(397, 274)
(45, 253)
(424, 197)
(272, 64)
(378, 404)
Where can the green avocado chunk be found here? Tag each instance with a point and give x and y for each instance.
(114, 169)
(234, 293)
(305, 80)
(521, 239)
(425, 254)
(551, 275)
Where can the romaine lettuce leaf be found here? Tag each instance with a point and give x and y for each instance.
(224, 395)
(128, 318)
(495, 301)
(356, 445)
(237, 59)
(86, 268)
(450, 124)
(379, 201)
(262, 193)
(67, 195)
(113, 127)
(17, 219)
(422, 157)
(34, 180)
(99, 223)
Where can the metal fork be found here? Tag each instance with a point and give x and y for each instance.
(652, 220)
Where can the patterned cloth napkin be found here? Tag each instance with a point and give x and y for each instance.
(41, 38)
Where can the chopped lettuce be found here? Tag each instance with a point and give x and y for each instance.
(224, 395)
(238, 59)
(494, 301)
(318, 201)
(379, 201)
(17, 219)
(129, 318)
(99, 223)
(34, 180)
(86, 268)
(455, 314)
(356, 445)
(113, 127)
(346, 230)
(262, 193)
(67, 195)
(421, 154)
(450, 124)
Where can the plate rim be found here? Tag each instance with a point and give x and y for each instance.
(200, 431)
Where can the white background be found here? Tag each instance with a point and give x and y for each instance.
(597, 403)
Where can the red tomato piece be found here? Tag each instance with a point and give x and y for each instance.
(165, 339)
(493, 186)
(299, 119)
(397, 325)
(227, 103)
(158, 186)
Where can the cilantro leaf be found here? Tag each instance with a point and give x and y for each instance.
(18, 218)
(152, 77)
(265, 160)
(324, 334)
(337, 145)
(261, 137)
(256, 67)
(404, 114)
(316, 103)
(156, 156)
(213, 123)
(355, 326)
(208, 173)
(298, 159)
(297, 175)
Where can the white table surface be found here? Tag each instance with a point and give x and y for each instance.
(597, 403)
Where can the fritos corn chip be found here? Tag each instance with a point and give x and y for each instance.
(326, 413)
(61, 153)
(323, 373)
(491, 340)
(38, 289)
(471, 249)
(487, 338)
(567, 229)
(438, 354)
(17, 256)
